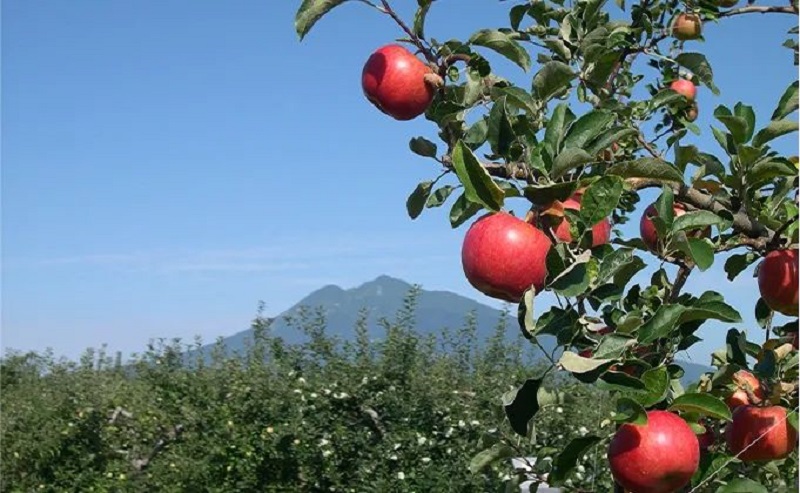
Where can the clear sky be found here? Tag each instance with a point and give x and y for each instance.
(166, 164)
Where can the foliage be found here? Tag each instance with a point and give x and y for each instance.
(400, 414)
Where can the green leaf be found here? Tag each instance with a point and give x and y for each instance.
(766, 171)
(788, 102)
(568, 458)
(714, 309)
(695, 220)
(527, 323)
(763, 313)
(746, 112)
(521, 405)
(520, 98)
(607, 138)
(613, 345)
(711, 464)
(500, 132)
(416, 201)
(310, 12)
(419, 17)
(477, 133)
(587, 127)
(568, 159)
(698, 64)
(600, 199)
(439, 196)
(485, 458)
(665, 97)
(502, 43)
(544, 194)
(462, 210)
(737, 126)
(661, 323)
(478, 185)
(705, 404)
(657, 382)
(576, 278)
(742, 485)
(775, 129)
(791, 418)
(553, 78)
(422, 146)
(578, 364)
(630, 411)
(699, 250)
(620, 381)
(647, 168)
(557, 126)
(738, 262)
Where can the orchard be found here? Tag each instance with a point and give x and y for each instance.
(577, 146)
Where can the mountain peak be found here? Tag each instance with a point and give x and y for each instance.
(383, 285)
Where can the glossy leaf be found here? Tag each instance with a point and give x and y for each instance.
(478, 185)
(788, 102)
(701, 403)
(502, 43)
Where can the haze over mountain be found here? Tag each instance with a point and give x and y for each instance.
(383, 297)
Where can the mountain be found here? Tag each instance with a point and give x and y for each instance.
(383, 297)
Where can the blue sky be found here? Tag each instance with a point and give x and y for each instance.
(168, 164)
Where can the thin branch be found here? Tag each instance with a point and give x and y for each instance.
(754, 9)
(776, 238)
(141, 464)
(680, 280)
(417, 41)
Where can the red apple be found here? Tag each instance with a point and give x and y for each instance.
(601, 232)
(647, 229)
(686, 27)
(685, 88)
(393, 79)
(744, 380)
(707, 439)
(778, 281)
(503, 256)
(760, 434)
(658, 457)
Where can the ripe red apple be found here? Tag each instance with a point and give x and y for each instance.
(749, 423)
(744, 380)
(503, 256)
(707, 439)
(601, 232)
(778, 281)
(658, 457)
(685, 88)
(393, 79)
(686, 27)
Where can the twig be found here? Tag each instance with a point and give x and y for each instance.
(754, 9)
(776, 238)
(417, 41)
(680, 280)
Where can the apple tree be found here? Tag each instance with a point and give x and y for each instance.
(578, 143)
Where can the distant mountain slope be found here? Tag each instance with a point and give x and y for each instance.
(383, 297)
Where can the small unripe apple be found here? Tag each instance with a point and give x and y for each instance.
(685, 88)
(647, 229)
(658, 457)
(778, 281)
(686, 27)
(744, 381)
(692, 113)
(760, 434)
(503, 256)
(607, 154)
(601, 232)
(397, 82)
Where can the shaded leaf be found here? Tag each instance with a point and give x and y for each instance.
(310, 12)
(587, 127)
(439, 196)
(521, 405)
(630, 411)
(661, 323)
(545, 194)
(416, 201)
(462, 210)
(742, 485)
(657, 382)
(738, 262)
(478, 185)
(568, 159)
(557, 126)
(607, 138)
(788, 102)
(568, 458)
(697, 63)
(419, 17)
(422, 146)
(485, 458)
